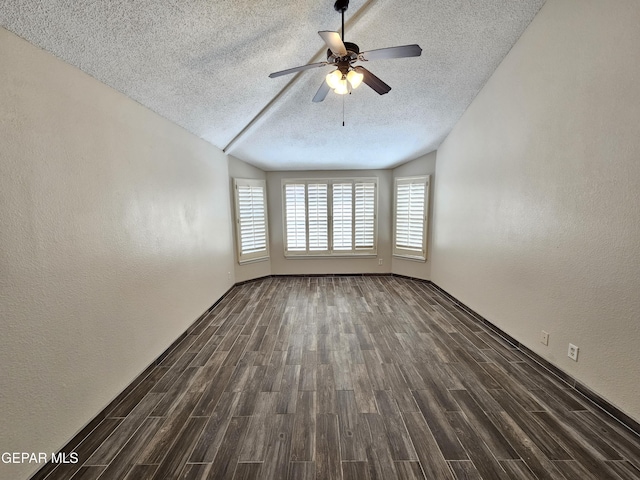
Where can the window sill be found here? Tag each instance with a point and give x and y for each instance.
(412, 258)
(253, 260)
(330, 255)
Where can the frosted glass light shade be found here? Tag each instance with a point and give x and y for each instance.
(334, 78)
(342, 88)
(355, 78)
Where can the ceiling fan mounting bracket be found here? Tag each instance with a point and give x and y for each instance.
(341, 5)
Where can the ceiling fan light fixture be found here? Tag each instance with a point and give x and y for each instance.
(334, 79)
(355, 78)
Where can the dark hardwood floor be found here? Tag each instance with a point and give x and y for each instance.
(354, 378)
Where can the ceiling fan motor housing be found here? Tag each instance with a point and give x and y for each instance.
(352, 52)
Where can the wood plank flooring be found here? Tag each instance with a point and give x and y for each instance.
(354, 378)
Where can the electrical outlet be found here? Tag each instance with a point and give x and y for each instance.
(229, 275)
(573, 352)
(544, 338)
(379, 261)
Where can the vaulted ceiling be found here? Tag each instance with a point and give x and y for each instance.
(204, 64)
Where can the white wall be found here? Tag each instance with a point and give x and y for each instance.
(288, 266)
(537, 219)
(425, 165)
(115, 237)
(262, 268)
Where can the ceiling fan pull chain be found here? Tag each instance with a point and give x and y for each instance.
(343, 109)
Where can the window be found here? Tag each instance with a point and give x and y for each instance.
(330, 216)
(410, 217)
(251, 220)
(318, 217)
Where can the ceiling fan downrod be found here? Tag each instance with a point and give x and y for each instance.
(341, 7)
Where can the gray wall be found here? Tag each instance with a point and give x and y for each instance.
(262, 268)
(425, 165)
(115, 237)
(537, 225)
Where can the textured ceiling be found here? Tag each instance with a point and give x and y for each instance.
(205, 65)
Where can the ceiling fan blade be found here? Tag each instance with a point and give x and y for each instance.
(322, 92)
(374, 82)
(392, 52)
(334, 42)
(297, 69)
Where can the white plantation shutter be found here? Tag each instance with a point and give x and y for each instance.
(317, 202)
(365, 215)
(410, 219)
(251, 219)
(251, 216)
(295, 217)
(342, 227)
(410, 216)
(330, 216)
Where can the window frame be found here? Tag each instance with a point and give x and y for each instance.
(260, 255)
(331, 252)
(409, 253)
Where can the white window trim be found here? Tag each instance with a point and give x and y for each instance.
(405, 253)
(254, 256)
(355, 253)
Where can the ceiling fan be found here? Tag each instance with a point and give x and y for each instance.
(343, 55)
